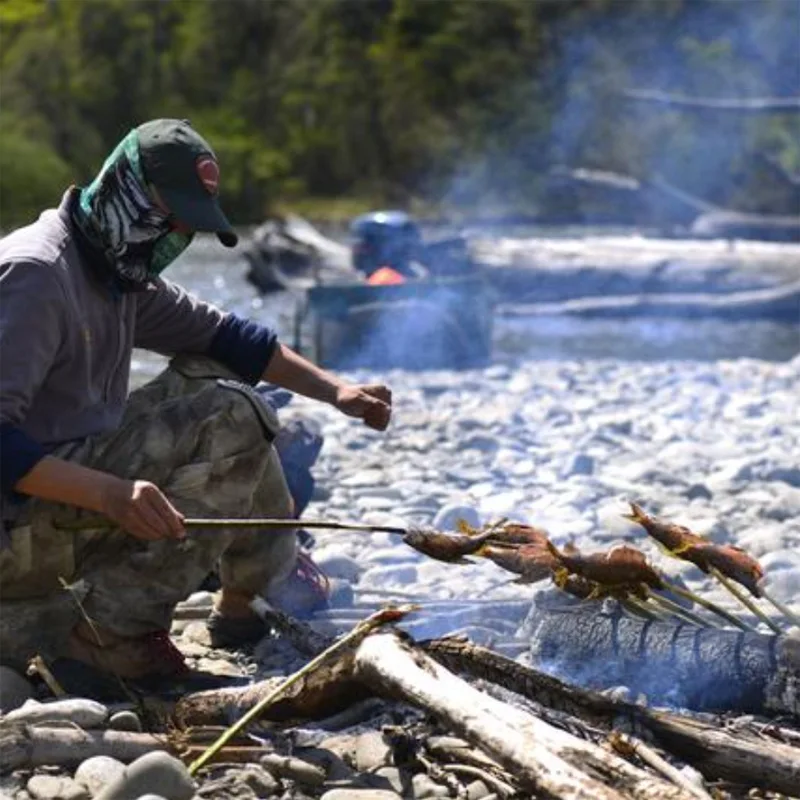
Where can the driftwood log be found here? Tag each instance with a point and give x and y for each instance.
(328, 690)
(542, 756)
(552, 762)
(33, 746)
(672, 663)
(741, 755)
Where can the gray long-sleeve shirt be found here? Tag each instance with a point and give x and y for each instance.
(66, 339)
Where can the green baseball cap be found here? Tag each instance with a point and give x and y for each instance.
(180, 163)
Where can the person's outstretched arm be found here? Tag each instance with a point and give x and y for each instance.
(371, 403)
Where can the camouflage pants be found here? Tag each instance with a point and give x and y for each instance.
(207, 445)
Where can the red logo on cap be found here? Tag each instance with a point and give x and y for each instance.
(208, 171)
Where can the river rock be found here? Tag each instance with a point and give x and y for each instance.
(125, 721)
(154, 773)
(340, 566)
(477, 790)
(448, 517)
(97, 772)
(259, 780)
(56, 787)
(579, 464)
(79, 711)
(340, 593)
(14, 689)
(423, 787)
(393, 776)
(360, 794)
(392, 574)
(199, 600)
(363, 478)
(371, 751)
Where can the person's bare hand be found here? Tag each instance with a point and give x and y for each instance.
(369, 402)
(141, 509)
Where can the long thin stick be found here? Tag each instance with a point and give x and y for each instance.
(726, 615)
(745, 601)
(38, 666)
(680, 611)
(254, 522)
(787, 612)
(366, 626)
(637, 607)
(626, 744)
(293, 523)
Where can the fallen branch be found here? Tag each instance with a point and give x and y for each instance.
(630, 745)
(544, 759)
(28, 746)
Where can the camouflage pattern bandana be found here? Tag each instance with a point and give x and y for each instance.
(119, 217)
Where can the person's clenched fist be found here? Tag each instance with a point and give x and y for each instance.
(369, 402)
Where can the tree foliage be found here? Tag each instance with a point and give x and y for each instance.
(462, 103)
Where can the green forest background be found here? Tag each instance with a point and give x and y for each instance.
(439, 106)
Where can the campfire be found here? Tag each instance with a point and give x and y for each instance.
(476, 714)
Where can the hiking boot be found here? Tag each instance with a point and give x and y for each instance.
(306, 590)
(150, 655)
(233, 632)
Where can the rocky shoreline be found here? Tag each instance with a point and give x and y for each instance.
(560, 444)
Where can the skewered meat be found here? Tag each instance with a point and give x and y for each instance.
(532, 562)
(448, 547)
(621, 566)
(731, 561)
(518, 534)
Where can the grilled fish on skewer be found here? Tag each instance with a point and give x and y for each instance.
(532, 562)
(621, 566)
(448, 547)
(678, 540)
(515, 533)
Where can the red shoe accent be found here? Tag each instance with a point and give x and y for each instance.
(313, 577)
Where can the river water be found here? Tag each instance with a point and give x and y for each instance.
(217, 275)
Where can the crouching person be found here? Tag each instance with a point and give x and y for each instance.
(96, 484)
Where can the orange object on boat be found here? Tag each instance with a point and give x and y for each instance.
(385, 276)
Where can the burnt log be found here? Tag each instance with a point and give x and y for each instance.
(672, 663)
(739, 754)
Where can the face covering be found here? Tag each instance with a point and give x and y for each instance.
(118, 216)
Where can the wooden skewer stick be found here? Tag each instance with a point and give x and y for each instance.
(636, 606)
(38, 666)
(787, 612)
(680, 611)
(713, 607)
(255, 522)
(745, 601)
